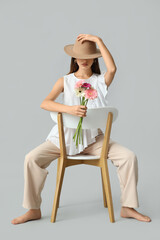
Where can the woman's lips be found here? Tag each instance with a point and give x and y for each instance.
(84, 64)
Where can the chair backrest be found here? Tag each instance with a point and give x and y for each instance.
(96, 118)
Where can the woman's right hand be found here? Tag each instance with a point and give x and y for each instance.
(78, 110)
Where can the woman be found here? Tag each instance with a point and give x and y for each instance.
(84, 65)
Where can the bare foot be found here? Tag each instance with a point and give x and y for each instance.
(127, 212)
(32, 214)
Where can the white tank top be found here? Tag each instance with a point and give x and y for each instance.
(69, 98)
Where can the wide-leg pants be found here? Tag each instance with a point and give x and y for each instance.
(38, 159)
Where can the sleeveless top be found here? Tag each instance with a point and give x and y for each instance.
(69, 98)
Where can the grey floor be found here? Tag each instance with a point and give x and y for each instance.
(81, 214)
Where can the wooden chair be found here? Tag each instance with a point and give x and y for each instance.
(96, 118)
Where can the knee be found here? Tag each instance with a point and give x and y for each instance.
(30, 158)
(132, 157)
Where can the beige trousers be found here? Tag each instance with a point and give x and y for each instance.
(39, 158)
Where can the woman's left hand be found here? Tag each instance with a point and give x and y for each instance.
(89, 37)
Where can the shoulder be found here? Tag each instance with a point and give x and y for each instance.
(60, 80)
(99, 75)
(63, 79)
(101, 80)
(67, 76)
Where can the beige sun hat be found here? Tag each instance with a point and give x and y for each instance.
(85, 50)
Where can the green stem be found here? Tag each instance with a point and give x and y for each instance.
(79, 132)
(76, 129)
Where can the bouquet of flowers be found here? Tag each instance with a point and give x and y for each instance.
(84, 91)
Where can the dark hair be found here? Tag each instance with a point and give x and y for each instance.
(74, 66)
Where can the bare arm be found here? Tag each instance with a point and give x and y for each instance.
(54, 106)
(49, 103)
(108, 59)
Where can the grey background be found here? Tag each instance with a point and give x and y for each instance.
(33, 34)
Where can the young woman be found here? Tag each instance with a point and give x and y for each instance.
(84, 65)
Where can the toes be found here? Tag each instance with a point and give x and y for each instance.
(17, 220)
(148, 218)
(14, 221)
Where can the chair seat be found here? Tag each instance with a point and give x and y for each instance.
(83, 156)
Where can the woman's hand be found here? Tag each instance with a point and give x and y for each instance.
(78, 110)
(89, 37)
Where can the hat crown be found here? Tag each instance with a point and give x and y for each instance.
(85, 48)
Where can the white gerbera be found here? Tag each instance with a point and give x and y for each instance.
(80, 92)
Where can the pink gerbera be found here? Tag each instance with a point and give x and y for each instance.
(90, 93)
(86, 85)
(79, 83)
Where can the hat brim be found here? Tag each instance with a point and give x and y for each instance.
(69, 50)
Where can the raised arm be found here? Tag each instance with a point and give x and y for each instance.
(109, 62)
(108, 59)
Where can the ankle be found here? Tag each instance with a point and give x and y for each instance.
(35, 209)
(123, 207)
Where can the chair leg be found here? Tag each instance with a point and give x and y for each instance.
(104, 195)
(60, 176)
(58, 165)
(107, 189)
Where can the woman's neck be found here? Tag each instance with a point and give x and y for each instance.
(81, 73)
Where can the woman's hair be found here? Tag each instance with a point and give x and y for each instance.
(74, 66)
